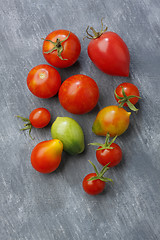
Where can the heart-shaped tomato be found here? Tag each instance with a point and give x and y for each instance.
(109, 52)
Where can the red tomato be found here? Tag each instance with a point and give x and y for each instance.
(79, 94)
(109, 153)
(93, 187)
(112, 120)
(127, 94)
(61, 48)
(46, 156)
(111, 156)
(109, 53)
(94, 183)
(40, 117)
(44, 81)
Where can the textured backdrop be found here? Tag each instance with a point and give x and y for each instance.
(45, 207)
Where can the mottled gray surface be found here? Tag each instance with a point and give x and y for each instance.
(34, 206)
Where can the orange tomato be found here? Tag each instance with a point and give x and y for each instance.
(46, 156)
(112, 120)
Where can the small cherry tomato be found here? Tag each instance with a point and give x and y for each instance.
(112, 156)
(44, 81)
(108, 153)
(109, 52)
(61, 48)
(38, 118)
(93, 187)
(112, 120)
(94, 183)
(78, 94)
(46, 156)
(127, 94)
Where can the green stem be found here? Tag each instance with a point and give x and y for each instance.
(106, 145)
(95, 169)
(27, 125)
(57, 46)
(100, 174)
(107, 139)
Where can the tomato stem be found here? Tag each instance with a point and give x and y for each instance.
(57, 46)
(106, 145)
(100, 174)
(95, 34)
(27, 125)
(125, 99)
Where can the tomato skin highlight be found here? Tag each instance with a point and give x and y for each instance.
(129, 89)
(78, 94)
(40, 117)
(112, 120)
(44, 81)
(46, 156)
(111, 156)
(93, 187)
(110, 54)
(71, 49)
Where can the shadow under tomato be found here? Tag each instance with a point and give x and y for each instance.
(70, 71)
(108, 188)
(67, 158)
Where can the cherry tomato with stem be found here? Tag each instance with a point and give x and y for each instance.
(127, 94)
(38, 118)
(78, 94)
(108, 52)
(46, 156)
(94, 183)
(109, 153)
(44, 81)
(61, 48)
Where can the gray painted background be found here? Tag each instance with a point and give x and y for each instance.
(34, 206)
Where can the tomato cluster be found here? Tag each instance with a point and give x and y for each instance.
(79, 94)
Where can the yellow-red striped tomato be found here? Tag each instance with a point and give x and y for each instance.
(46, 156)
(112, 120)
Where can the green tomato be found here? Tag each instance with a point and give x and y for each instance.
(69, 132)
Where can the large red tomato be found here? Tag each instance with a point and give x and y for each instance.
(61, 48)
(79, 94)
(44, 81)
(109, 52)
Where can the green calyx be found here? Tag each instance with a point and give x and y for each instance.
(57, 46)
(125, 99)
(100, 174)
(95, 34)
(27, 125)
(106, 145)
